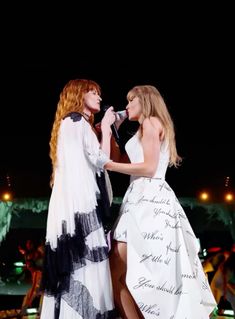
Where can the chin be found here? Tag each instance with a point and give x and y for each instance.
(95, 110)
(132, 118)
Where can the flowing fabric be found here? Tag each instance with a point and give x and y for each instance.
(76, 277)
(164, 272)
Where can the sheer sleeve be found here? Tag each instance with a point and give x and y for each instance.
(93, 152)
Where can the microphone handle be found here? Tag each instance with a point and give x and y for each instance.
(113, 127)
(115, 133)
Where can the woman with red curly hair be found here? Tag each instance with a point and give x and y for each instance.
(76, 277)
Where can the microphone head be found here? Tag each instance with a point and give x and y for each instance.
(122, 115)
(105, 107)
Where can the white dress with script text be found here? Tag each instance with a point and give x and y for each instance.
(164, 272)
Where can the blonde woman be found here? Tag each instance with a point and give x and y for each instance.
(76, 277)
(154, 260)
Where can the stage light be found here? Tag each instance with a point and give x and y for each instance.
(31, 311)
(7, 196)
(204, 252)
(229, 197)
(19, 264)
(229, 312)
(204, 196)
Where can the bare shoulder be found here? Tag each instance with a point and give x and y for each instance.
(153, 125)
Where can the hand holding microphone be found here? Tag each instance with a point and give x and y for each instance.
(120, 116)
(108, 118)
(113, 127)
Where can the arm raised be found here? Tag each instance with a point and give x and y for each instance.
(150, 141)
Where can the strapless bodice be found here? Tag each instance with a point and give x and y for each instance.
(135, 152)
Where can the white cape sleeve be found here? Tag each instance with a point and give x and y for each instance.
(97, 157)
(92, 149)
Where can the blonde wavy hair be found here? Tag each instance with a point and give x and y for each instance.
(71, 100)
(153, 104)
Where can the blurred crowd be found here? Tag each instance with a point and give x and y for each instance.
(220, 269)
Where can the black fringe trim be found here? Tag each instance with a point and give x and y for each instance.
(103, 209)
(111, 314)
(71, 253)
(83, 304)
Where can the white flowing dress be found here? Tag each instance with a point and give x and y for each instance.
(76, 279)
(164, 272)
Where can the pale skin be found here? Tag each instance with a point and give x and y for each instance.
(152, 135)
(91, 106)
(151, 131)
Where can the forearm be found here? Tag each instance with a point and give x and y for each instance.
(106, 132)
(105, 141)
(115, 151)
(116, 154)
(136, 169)
(151, 150)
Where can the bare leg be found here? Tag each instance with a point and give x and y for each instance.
(122, 297)
(33, 292)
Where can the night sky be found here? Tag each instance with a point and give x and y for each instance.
(193, 69)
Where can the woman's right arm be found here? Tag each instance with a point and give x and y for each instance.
(151, 149)
(116, 155)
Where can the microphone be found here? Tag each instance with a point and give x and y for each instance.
(113, 128)
(115, 133)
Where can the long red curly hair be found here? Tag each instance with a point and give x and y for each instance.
(71, 100)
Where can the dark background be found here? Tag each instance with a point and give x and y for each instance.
(185, 49)
(186, 52)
